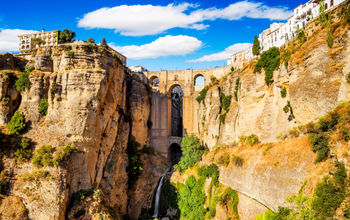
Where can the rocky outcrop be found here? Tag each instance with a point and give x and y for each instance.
(96, 104)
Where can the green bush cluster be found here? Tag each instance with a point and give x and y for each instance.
(269, 61)
(224, 160)
(330, 193)
(5, 101)
(237, 161)
(43, 105)
(283, 92)
(301, 36)
(225, 101)
(23, 150)
(62, 154)
(214, 81)
(70, 53)
(66, 36)
(79, 196)
(44, 156)
(17, 123)
(211, 171)
(238, 84)
(319, 143)
(192, 152)
(328, 123)
(104, 43)
(222, 118)
(249, 140)
(4, 184)
(23, 81)
(192, 199)
(135, 166)
(202, 95)
(230, 197)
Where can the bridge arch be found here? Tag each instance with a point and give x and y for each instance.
(154, 81)
(199, 80)
(174, 153)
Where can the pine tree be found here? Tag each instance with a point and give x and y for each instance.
(256, 46)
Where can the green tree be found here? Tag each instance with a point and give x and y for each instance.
(66, 36)
(192, 199)
(17, 123)
(256, 46)
(191, 152)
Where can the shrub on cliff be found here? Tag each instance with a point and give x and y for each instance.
(224, 160)
(135, 166)
(43, 105)
(192, 152)
(320, 146)
(23, 150)
(283, 92)
(269, 61)
(17, 124)
(202, 95)
(301, 35)
(43, 156)
(23, 81)
(169, 199)
(225, 101)
(63, 154)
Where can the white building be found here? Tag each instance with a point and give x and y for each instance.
(26, 43)
(138, 69)
(237, 60)
(272, 37)
(280, 33)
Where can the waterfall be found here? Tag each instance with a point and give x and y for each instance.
(158, 194)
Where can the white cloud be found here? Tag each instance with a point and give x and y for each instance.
(162, 47)
(9, 40)
(140, 20)
(222, 55)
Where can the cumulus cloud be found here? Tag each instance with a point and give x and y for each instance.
(140, 20)
(162, 47)
(222, 55)
(9, 39)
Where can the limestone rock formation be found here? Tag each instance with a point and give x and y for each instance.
(88, 106)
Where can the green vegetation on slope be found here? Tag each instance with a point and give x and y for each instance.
(192, 152)
(269, 61)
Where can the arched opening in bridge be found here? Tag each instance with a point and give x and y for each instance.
(174, 153)
(199, 80)
(154, 81)
(176, 95)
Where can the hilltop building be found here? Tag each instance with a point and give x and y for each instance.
(280, 33)
(138, 69)
(27, 44)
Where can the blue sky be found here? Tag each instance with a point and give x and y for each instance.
(155, 34)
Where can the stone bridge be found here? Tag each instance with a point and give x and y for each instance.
(163, 83)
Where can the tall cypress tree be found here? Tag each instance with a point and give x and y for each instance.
(256, 46)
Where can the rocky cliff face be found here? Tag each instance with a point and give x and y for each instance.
(96, 104)
(315, 82)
